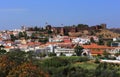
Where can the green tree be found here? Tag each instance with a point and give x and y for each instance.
(117, 54)
(55, 62)
(13, 38)
(92, 32)
(5, 65)
(92, 40)
(49, 32)
(42, 54)
(51, 54)
(18, 56)
(43, 40)
(106, 54)
(78, 50)
(2, 51)
(97, 60)
(109, 43)
(25, 35)
(62, 54)
(27, 70)
(36, 28)
(100, 42)
(107, 70)
(82, 26)
(20, 34)
(1, 47)
(33, 36)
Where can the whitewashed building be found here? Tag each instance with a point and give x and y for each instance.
(65, 51)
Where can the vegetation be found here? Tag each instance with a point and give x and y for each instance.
(92, 40)
(82, 26)
(78, 50)
(19, 64)
(106, 55)
(43, 40)
(13, 38)
(107, 70)
(97, 60)
(25, 64)
(100, 42)
(51, 54)
(107, 34)
(109, 43)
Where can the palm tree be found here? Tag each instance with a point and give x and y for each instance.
(78, 50)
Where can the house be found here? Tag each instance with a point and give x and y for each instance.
(8, 43)
(1, 41)
(51, 47)
(65, 51)
(23, 47)
(116, 39)
(95, 38)
(97, 49)
(55, 39)
(43, 50)
(7, 48)
(58, 48)
(115, 44)
(115, 50)
(5, 36)
(80, 40)
(23, 41)
(118, 58)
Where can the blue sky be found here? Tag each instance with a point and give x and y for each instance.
(14, 13)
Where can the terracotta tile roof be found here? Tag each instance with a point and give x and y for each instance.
(67, 40)
(97, 52)
(96, 46)
(10, 33)
(8, 46)
(73, 37)
(34, 43)
(69, 44)
(66, 45)
(23, 45)
(48, 43)
(65, 37)
(8, 41)
(1, 39)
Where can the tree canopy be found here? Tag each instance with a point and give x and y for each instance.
(78, 50)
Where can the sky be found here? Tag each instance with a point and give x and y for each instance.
(16, 13)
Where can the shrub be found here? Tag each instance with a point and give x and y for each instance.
(51, 54)
(97, 60)
(55, 62)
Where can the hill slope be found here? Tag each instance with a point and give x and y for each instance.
(107, 34)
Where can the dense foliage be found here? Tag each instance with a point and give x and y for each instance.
(19, 64)
(78, 50)
(25, 64)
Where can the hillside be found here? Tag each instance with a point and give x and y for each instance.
(116, 30)
(107, 34)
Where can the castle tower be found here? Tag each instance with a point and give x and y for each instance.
(62, 31)
(103, 26)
